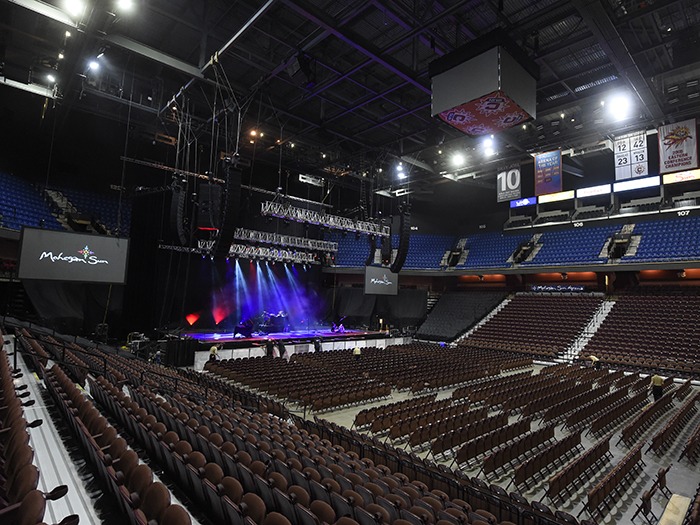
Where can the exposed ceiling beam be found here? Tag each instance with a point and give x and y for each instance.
(34, 89)
(154, 54)
(360, 44)
(249, 23)
(601, 25)
(46, 10)
(419, 163)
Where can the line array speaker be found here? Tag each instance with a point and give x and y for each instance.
(231, 200)
(372, 249)
(209, 209)
(386, 250)
(404, 240)
(177, 215)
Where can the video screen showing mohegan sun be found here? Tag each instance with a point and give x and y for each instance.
(62, 256)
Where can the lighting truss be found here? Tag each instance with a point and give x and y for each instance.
(272, 254)
(181, 249)
(242, 234)
(252, 252)
(284, 211)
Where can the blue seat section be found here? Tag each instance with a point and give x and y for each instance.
(426, 251)
(101, 206)
(352, 251)
(575, 246)
(491, 250)
(675, 239)
(23, 205)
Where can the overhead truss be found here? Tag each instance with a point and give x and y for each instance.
(284, 211)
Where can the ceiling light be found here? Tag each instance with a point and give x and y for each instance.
(488, 143)
(323, 155)
(291, 144)
(125, 5)
(439, 152)
(458, 160)
(399, 166)
(253, 132)
(94, 65)
(74, 7)
(620, 107)
(68, 35)
(61, 56)
(489, 152)
(401, 175)
(561, 115)
(51, 78)
(524, 126)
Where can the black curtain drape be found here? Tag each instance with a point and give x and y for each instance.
(76, 308)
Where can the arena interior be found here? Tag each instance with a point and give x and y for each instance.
(389, 262)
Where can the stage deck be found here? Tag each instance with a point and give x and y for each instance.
(293, 336)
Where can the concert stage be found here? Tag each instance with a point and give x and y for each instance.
(230, 340)
(294, 341)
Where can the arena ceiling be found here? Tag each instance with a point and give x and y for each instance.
(341, 88)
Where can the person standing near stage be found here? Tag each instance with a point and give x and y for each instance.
(214, 353)
(357, 353)
(657, 386)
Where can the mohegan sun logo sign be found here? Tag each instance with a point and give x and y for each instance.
(88, 257)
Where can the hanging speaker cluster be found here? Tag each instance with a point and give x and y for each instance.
(177, 214)
(231, 203)
(372, 250)
(404, 239)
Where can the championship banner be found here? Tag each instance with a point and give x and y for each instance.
(548, 173)
(508, 184)
(631, 158)
(678, 147)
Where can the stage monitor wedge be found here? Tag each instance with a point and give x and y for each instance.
(381, 281)
(77, 257)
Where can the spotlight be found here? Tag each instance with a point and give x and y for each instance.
(51, 78)
(619, 107)
(125, 5)
(94, 65)
(488, 146)
(75, 7)
(253, 133)
(458, 160)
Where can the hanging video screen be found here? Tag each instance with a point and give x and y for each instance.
(64, 256)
